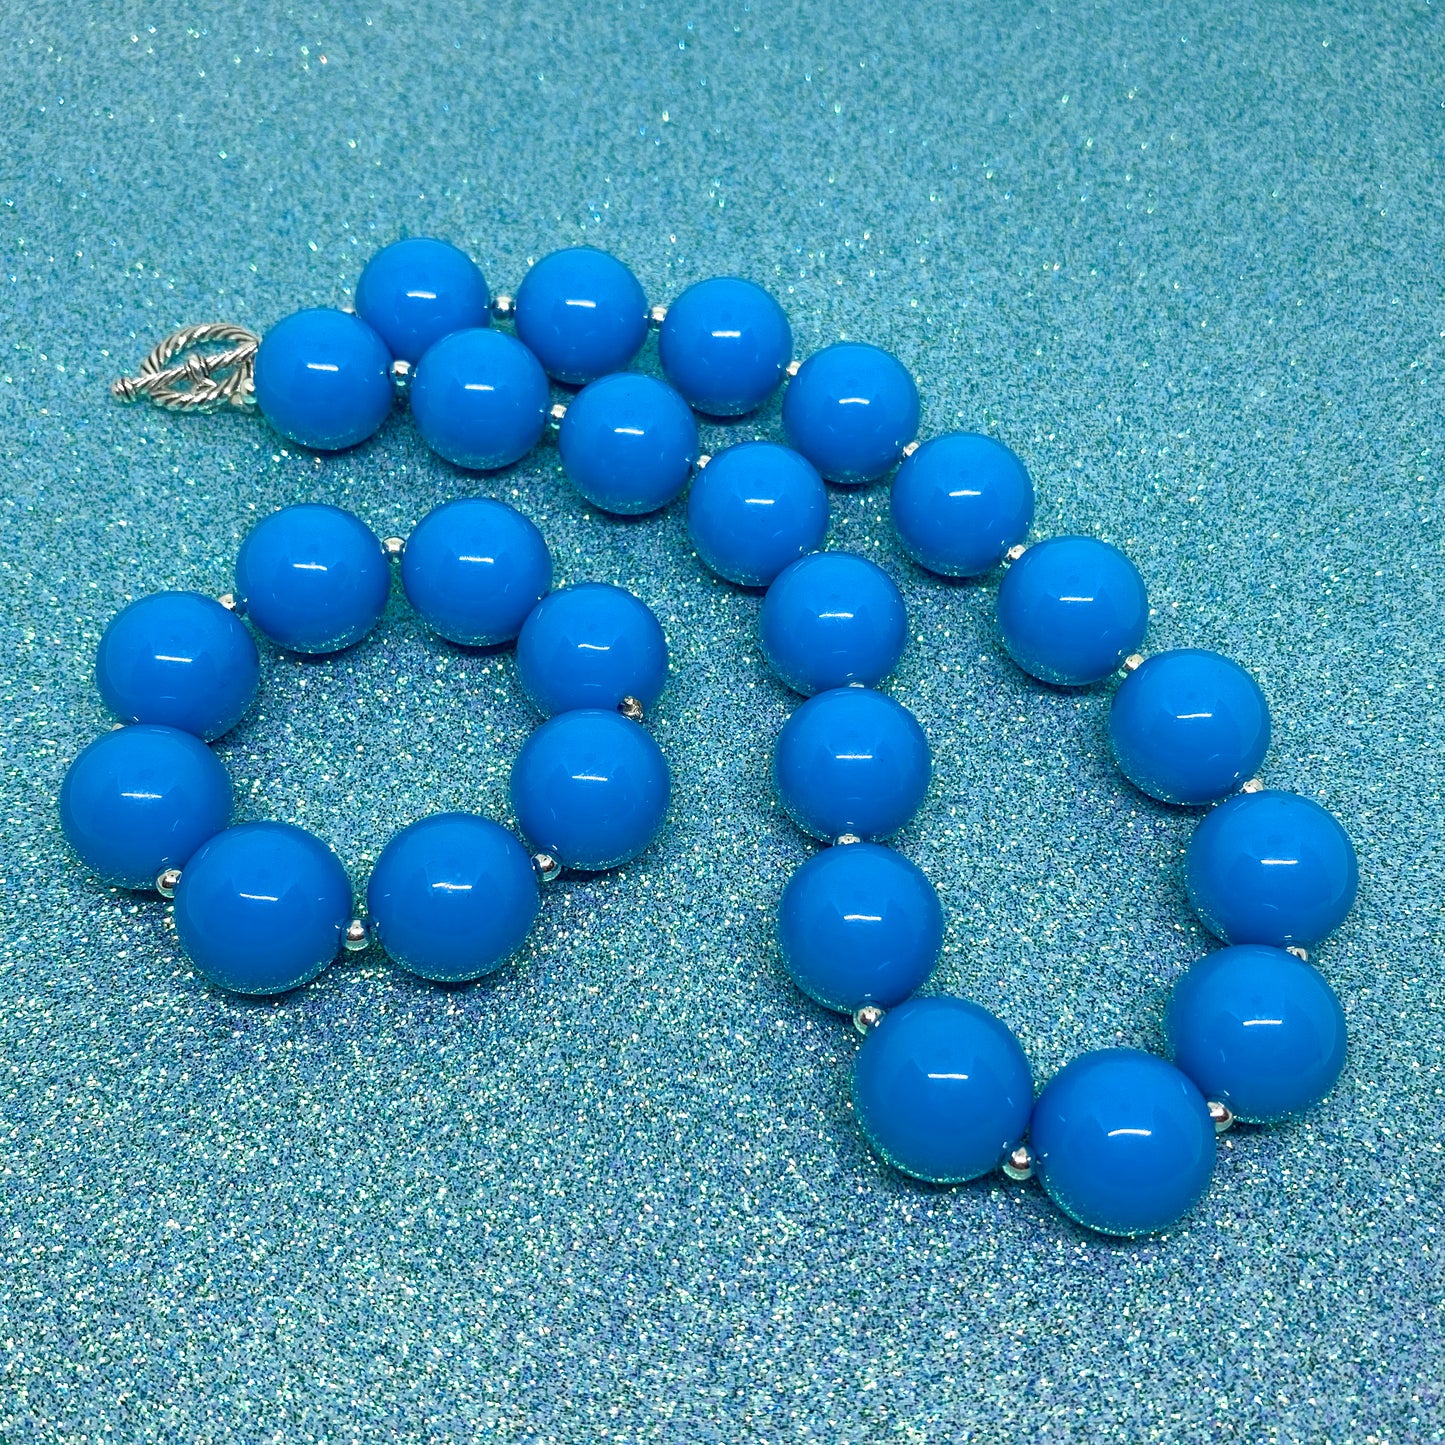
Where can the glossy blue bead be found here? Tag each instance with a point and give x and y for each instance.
(414, 292)
(1122, 1142)
(591, 646)
(323, 379)
(1071, 609)
(479, 399)
(857, 925)
(474, 569)
(142, 799)
(312, 578)
(1271, 867)
(590, 788)
(1189, 726)
(178, 658)
(756, 507)
(262, 907)
(1259, 1030)
(582, 313)
(942, 1090)
(452, 897)
(960, 502)
(725, 344)
(851, 761)
(851, 410)
(831, 619)
(628, 443)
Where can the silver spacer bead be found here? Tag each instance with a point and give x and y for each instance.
(401, 374)
(1020, 1164)
(228, 601)
(1300, 953)
(1221, 1115)
(794, 367)
(557, 412)
(702, 461)
(631, 708)
(845, 838)
(868, 1017)
(1134, 662)
(393, 546)
(166, 881)
(910, 449)
(348, 306)
(656, 315)
(503, 307)
(356, 937)
(1014, 553)
(548, 869)
(1254, 785)
(115, 727)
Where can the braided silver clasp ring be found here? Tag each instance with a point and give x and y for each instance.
(198, 381)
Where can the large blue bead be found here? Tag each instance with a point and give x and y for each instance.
(1122, 1142)
(1259, 1030)
(178, 658)
(142, 799)
(857, 925)
(851, 761)
(590, 788)
(474, 569)
(628, 443)
(261, 908)
(725, 344)
(942, 1090)
(960, 502)
(591, 646)
(851, 410)
(583, 314)
(1271, 867)
(480, 399)
(323, 379)
(1071, 609)
(452, 897)
(312, 578)
(831, 619)
(756, 507)
(414, 292)
(1189, 726)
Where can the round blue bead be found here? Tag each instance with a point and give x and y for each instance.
(142, 799)
(591, 646)
(414, 292)
(857, 925)
(313, 578)
(261, 908)
(831, 619)
(960, 502)
(452, 897)
(480, 399)
(851, 410)
(590, 788)
(628, 443)
(474, 569)
(323, 379)
(1271, 867)
(725, 344)
(756, 507)
(178, 658)
(1259, 1030)
(1071, 609)
(583, 314)
(1122, 1142)
(942, 1090)
(1189, 726)
(851, 761)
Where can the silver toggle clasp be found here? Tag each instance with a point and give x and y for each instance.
(184, 373)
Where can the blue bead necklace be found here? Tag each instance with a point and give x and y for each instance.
(1122, 1140)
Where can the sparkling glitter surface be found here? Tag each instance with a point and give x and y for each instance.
(1188, 265)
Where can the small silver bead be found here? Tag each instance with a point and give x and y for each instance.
(166, 881)
(1254, 785)
(1300, 953)
(1020, 1164)
(702, 461)
(794, 367)
(393, 546)
(548, 869)
(1221, 1115)
(630, 708)
(1134, 662)
(1014, 553)
(228, 601)
(656, 316)
(356, 937)
(503, 307)
(401, 374)
(910, 449)
(558, 411)
(115, 727)
(868, 1017)
(845, 838)
(348, 306)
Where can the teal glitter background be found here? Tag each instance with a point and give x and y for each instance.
(1187, 262)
